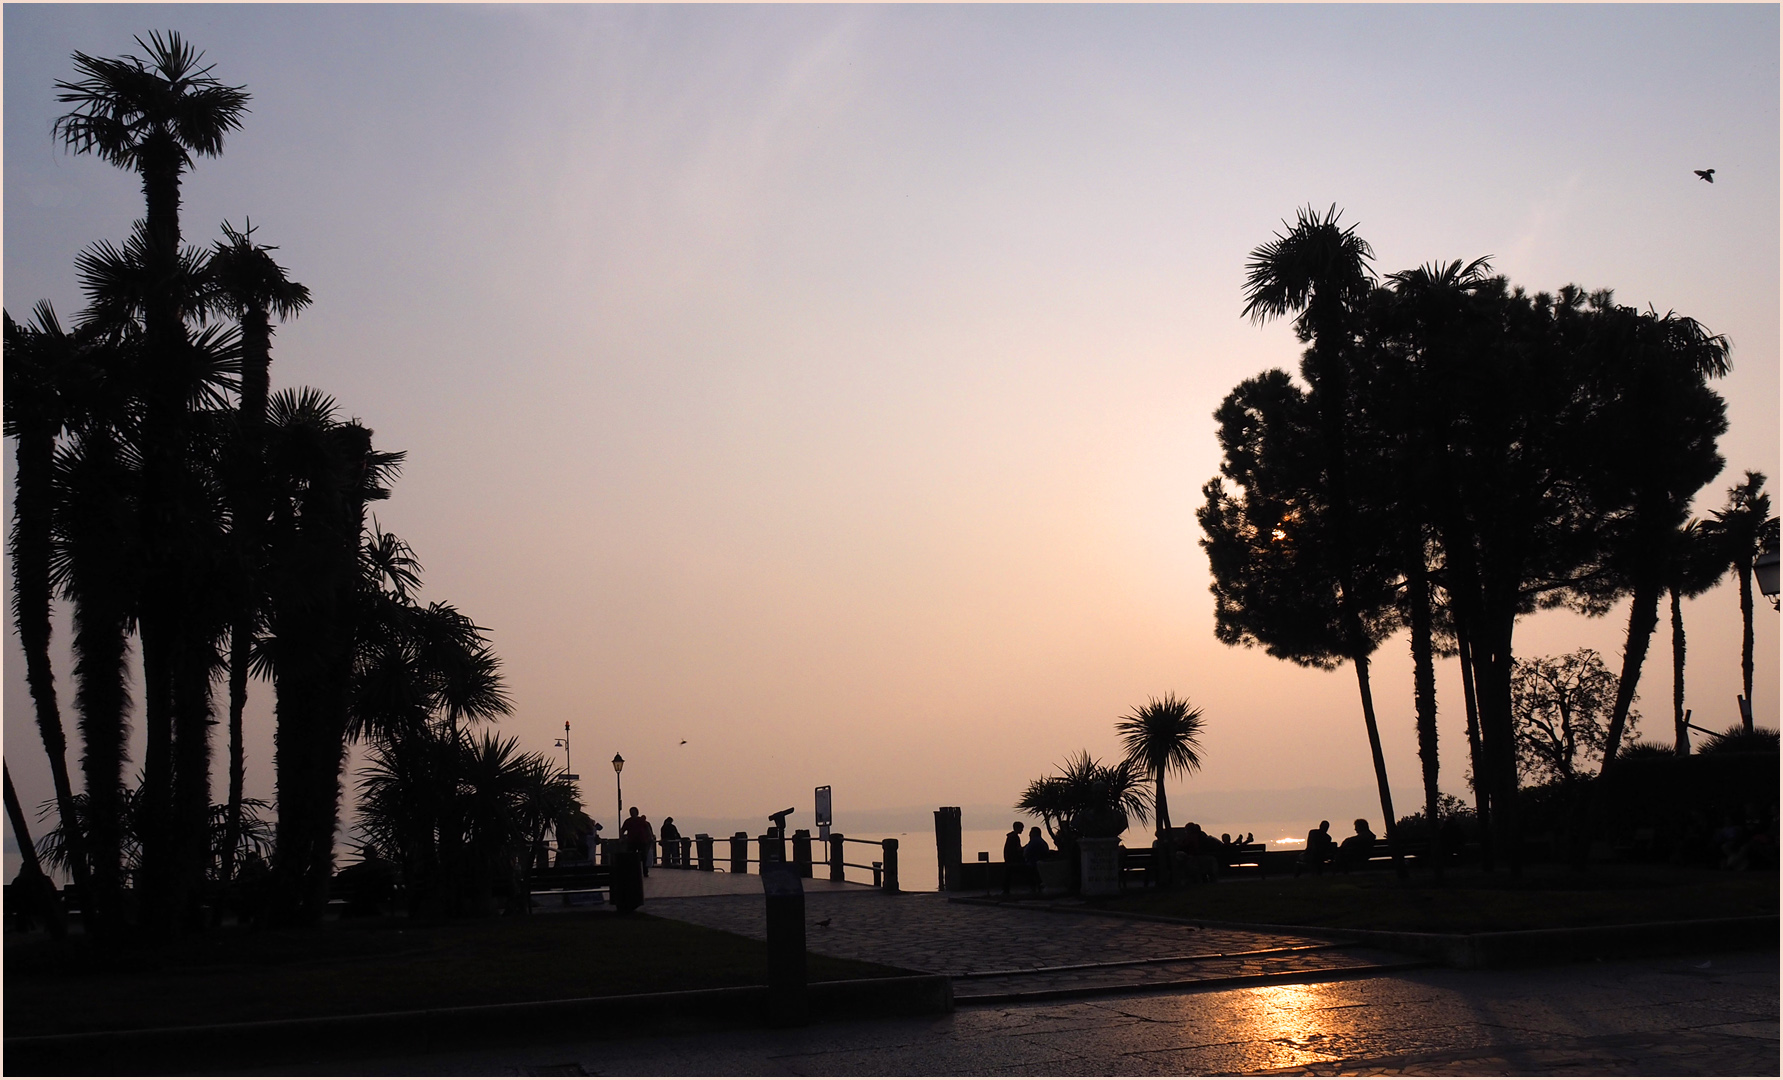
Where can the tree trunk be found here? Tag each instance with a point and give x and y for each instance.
(1380, 762)
(1744, 566)
(1643, 617)
(1679, 727)
(1482, 802)
(1424, 693)
(31, 615)
(31, 875)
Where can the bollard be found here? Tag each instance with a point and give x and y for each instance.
(773, 848)
(627, 876)
(685, 858)
(704, 844)
(878, 870)
(891, 865)
(801, 851)
(785, 895)
(836, 873)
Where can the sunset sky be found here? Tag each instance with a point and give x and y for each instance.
(831, 387)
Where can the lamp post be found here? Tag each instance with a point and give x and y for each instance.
(565, 743)
(1765, 569)
(618, 792)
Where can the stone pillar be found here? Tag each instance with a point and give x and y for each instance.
(740, 853)
(772, 847)
(891, 865)
(948, 856)
(836, 858)
(1101, 865)
(786, 944)
(703, 843)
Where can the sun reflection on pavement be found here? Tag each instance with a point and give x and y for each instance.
(1294, 1018)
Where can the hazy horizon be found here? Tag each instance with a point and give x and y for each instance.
(831, 387)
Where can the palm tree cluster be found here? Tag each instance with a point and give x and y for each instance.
(1458, 454)
(1088, 798)
(182, 507)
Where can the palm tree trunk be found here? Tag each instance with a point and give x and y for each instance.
(1424, 693)
(249, 510)
(1380, 762)
(31, 615)
(1498, 738)
(32, 873)
(1163, 807)
(1743, 564)
(1481, 799)
(1643, 617)
(1679, 728)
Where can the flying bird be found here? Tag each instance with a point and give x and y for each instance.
(683, 742)
(1706, 174)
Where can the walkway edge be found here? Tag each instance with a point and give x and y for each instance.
(1507, 948)
(212, 1047)
(1217, 982)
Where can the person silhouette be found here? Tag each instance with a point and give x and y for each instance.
(1014, 863)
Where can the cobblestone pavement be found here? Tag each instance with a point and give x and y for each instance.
(994, 951)
(1687, 1015)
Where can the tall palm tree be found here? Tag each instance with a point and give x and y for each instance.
(1745, 529)
(1694, 566)
(38, 356)
(1318, 271)
(1658, 423)
(153, 116)
(1162, 737)
(245, 283)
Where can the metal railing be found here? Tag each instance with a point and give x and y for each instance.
(741, 853)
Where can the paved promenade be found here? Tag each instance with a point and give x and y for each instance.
(996, 952)
(1679, 1016)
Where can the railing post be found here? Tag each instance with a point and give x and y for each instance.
(801, 851)
(740, 853)
(772, 848)
(836, 858)
(703, 843)
(891, 865)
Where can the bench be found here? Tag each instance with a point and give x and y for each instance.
(571, 882)
(1249, 855)
(1141, 863)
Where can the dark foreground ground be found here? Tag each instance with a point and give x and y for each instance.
(1691, 1015)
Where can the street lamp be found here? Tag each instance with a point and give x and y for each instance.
(1765, 569)
(565, 743)
(618, 792)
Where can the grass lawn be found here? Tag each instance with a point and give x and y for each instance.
(374, 965)
(1471, 901)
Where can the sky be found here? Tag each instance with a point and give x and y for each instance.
(831, 387)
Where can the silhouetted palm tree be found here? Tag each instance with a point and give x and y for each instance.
(1745, 529)
(1318, 270)
(152, 116)
(1695, 565)
(38, 358)
(244, 282)
(1162, 737)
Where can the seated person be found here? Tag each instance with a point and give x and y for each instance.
(1318, 851)
(1356, 849)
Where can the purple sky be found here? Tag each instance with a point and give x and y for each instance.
(831, 387)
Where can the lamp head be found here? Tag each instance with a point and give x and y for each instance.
(618, 763)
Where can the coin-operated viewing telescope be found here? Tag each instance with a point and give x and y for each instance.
(779, 820)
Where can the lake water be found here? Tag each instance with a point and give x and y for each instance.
(918, 870)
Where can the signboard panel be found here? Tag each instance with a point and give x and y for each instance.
(823, 806)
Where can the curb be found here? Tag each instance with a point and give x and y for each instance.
(1506, 948)
(214, 1047)
(1219, 982)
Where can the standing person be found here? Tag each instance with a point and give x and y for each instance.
(1014, 863)
(671, 843)
(636, 832)
(1032, 853)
